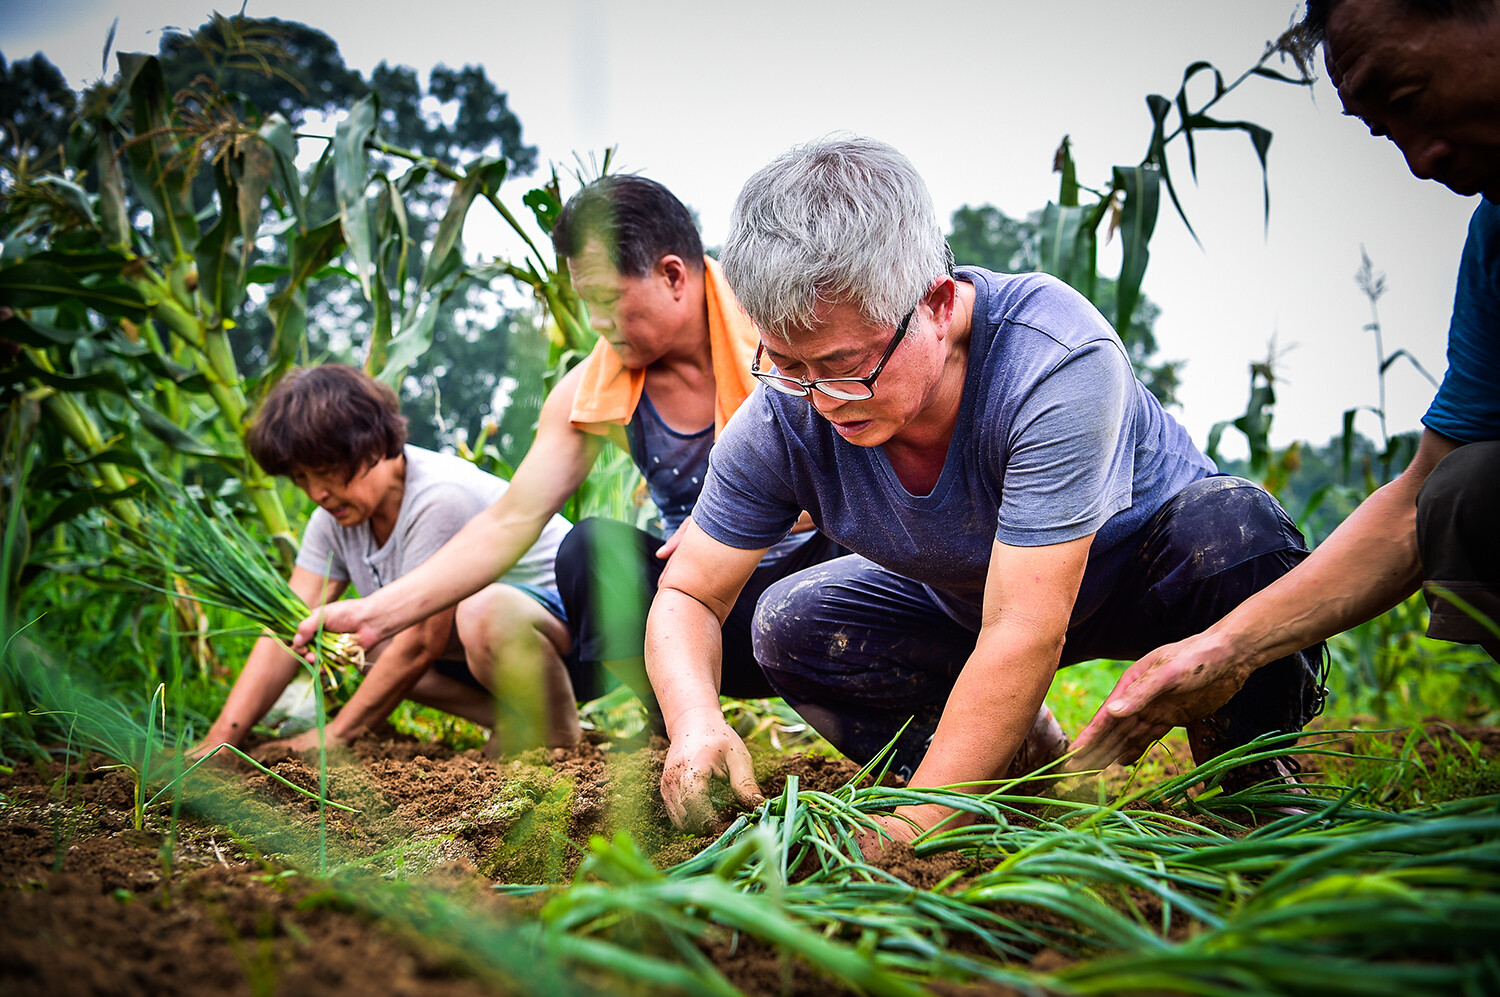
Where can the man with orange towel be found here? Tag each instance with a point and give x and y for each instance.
(671, 366)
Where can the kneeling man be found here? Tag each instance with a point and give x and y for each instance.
(1014, 497)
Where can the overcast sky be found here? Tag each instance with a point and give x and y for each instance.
(699, 95)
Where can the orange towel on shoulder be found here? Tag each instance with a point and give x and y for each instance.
(609, 392)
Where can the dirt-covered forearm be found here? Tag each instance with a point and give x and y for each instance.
(684, 655)
(991, 708)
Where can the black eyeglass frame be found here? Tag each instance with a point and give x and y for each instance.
(802, 388)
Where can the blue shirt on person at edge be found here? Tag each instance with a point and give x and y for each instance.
(1467, 406)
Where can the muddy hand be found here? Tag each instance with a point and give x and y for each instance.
(1172, 686)
(873, 843)
(694, 760)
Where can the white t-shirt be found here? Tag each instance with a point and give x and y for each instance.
(443, 492)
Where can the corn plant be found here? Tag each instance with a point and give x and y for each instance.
(123, 334)
(1130, 202)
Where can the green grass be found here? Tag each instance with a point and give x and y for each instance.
(1383, 885)
(1386, 882)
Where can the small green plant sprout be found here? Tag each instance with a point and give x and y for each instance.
(141, 758)
(104, 726)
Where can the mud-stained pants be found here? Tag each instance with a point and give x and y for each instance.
(607, 573)
(857, 650)
(1458, 535)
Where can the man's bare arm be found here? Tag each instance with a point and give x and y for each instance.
(1366, 566)
(489, 545)
(1028, 600)
(684, 658)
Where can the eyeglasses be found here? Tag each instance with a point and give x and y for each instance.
(845, 389)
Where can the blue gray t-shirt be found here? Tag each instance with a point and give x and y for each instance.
(1055, 440)
(1467, 406)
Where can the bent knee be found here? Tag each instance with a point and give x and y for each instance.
(485, 610)
(1223, 521)
(575, 553)
(500, 613)
(785, 612)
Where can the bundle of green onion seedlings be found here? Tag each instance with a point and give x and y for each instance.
(223, 566)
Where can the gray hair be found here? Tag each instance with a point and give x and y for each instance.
(840, 219)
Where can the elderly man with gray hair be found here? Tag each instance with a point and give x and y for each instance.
(1015, 499)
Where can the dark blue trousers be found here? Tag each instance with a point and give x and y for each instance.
(607, 572)
(857, 650)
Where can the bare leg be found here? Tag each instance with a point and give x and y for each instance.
(452, 696)
(514, 647)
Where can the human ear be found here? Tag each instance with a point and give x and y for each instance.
(674, 271)
(941, 299)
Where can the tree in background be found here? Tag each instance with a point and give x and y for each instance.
(297, 71)
(474, 357)
(36, 108)
(171, 261)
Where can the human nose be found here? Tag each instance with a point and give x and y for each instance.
(1425, 155)
(824, 403)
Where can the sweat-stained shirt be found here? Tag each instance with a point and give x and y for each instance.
(1055, 439)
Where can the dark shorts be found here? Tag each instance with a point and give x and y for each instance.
(857, 650)
(1458, 536)
(607, 572)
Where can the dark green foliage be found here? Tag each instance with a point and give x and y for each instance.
(1320, 486)
(1066, 242)
(1156, 892)
(985, 236)
(135, 352)
(280, 66)
(273, 65)
(36, 109)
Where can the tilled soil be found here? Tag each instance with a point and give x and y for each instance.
(211, 903)
(91, 905)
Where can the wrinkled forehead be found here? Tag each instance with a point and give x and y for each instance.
(591, 267)
(838, 331)
(1368, 44)
(1357, 34)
